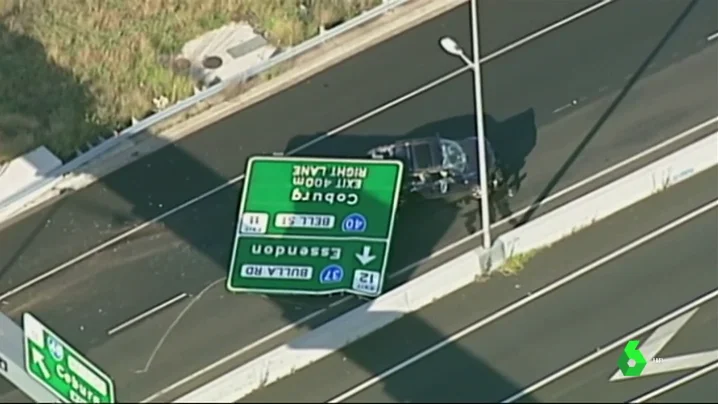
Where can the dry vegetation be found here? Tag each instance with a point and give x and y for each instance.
(516, 263)
(72, 70)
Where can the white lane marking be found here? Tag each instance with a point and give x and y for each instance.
(676, 383)
(172, 326)
(573, 102)
(662, 336)
(432, 256)
(712, 36)
(679, 363)
(546, 30)
(213, 191)
(146, 314)
(331, 133)
(379, 110)
(232, 356)
(608, 349)
(528, 299)
(657, 340)
(563, 192)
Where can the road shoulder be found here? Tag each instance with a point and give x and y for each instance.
(400, 340)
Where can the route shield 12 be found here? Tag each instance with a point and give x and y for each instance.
(61, 369)
(314, 226)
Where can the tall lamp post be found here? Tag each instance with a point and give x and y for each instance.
(452, 48)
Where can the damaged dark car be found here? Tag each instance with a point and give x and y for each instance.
(440, 168)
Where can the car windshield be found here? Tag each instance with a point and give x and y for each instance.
(453, 155)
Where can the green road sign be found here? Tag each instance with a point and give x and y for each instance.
(61, 369)
(314, 225)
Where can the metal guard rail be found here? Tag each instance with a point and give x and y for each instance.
(190, 102)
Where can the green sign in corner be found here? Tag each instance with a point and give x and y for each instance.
(61, 369)
(314, 226)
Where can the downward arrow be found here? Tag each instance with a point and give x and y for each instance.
(39, 360)
(365, 257)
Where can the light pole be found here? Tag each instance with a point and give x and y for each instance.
(452, 48)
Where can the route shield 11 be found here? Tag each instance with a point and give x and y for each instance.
(61, 369)
(314, 226)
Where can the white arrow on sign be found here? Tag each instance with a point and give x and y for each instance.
(657, 341)
(39, 359)
(365, 257)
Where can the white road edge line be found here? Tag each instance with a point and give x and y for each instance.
(331, 133)
(565, 191)
(676, 383)
(232, 356)
(543, 31)
(146, 314)
(611, 347)
(712, 36)
(211, 192)
(525, 301)
(434, 255)
(694, 305)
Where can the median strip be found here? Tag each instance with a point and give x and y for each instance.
(517, 245)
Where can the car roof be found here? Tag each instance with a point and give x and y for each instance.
(422, 153)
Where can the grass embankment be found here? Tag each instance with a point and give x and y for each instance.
(516, 263)
(72, 70)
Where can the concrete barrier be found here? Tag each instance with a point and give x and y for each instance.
(25, 171)
(453, 275)
(12, 364)
(338, 333)
(613, 197)
(185, 117)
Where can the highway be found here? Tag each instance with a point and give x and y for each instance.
(699, 334)
(625, 82)
(701, 390)
(541, 351)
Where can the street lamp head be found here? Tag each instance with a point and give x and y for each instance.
(450, 46)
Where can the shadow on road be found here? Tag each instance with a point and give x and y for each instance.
(606, 115)
(33, 110)
(19, 244)
(213, 219)
(201, 226)
(450, 374)
(441, 222)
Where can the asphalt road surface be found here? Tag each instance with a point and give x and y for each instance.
(522, 347)
(591, 382)
(701, 390)
(559, 108)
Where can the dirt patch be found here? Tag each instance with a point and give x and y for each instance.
(74, 70)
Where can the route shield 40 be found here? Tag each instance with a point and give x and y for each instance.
(61, 369)
(314, 226)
